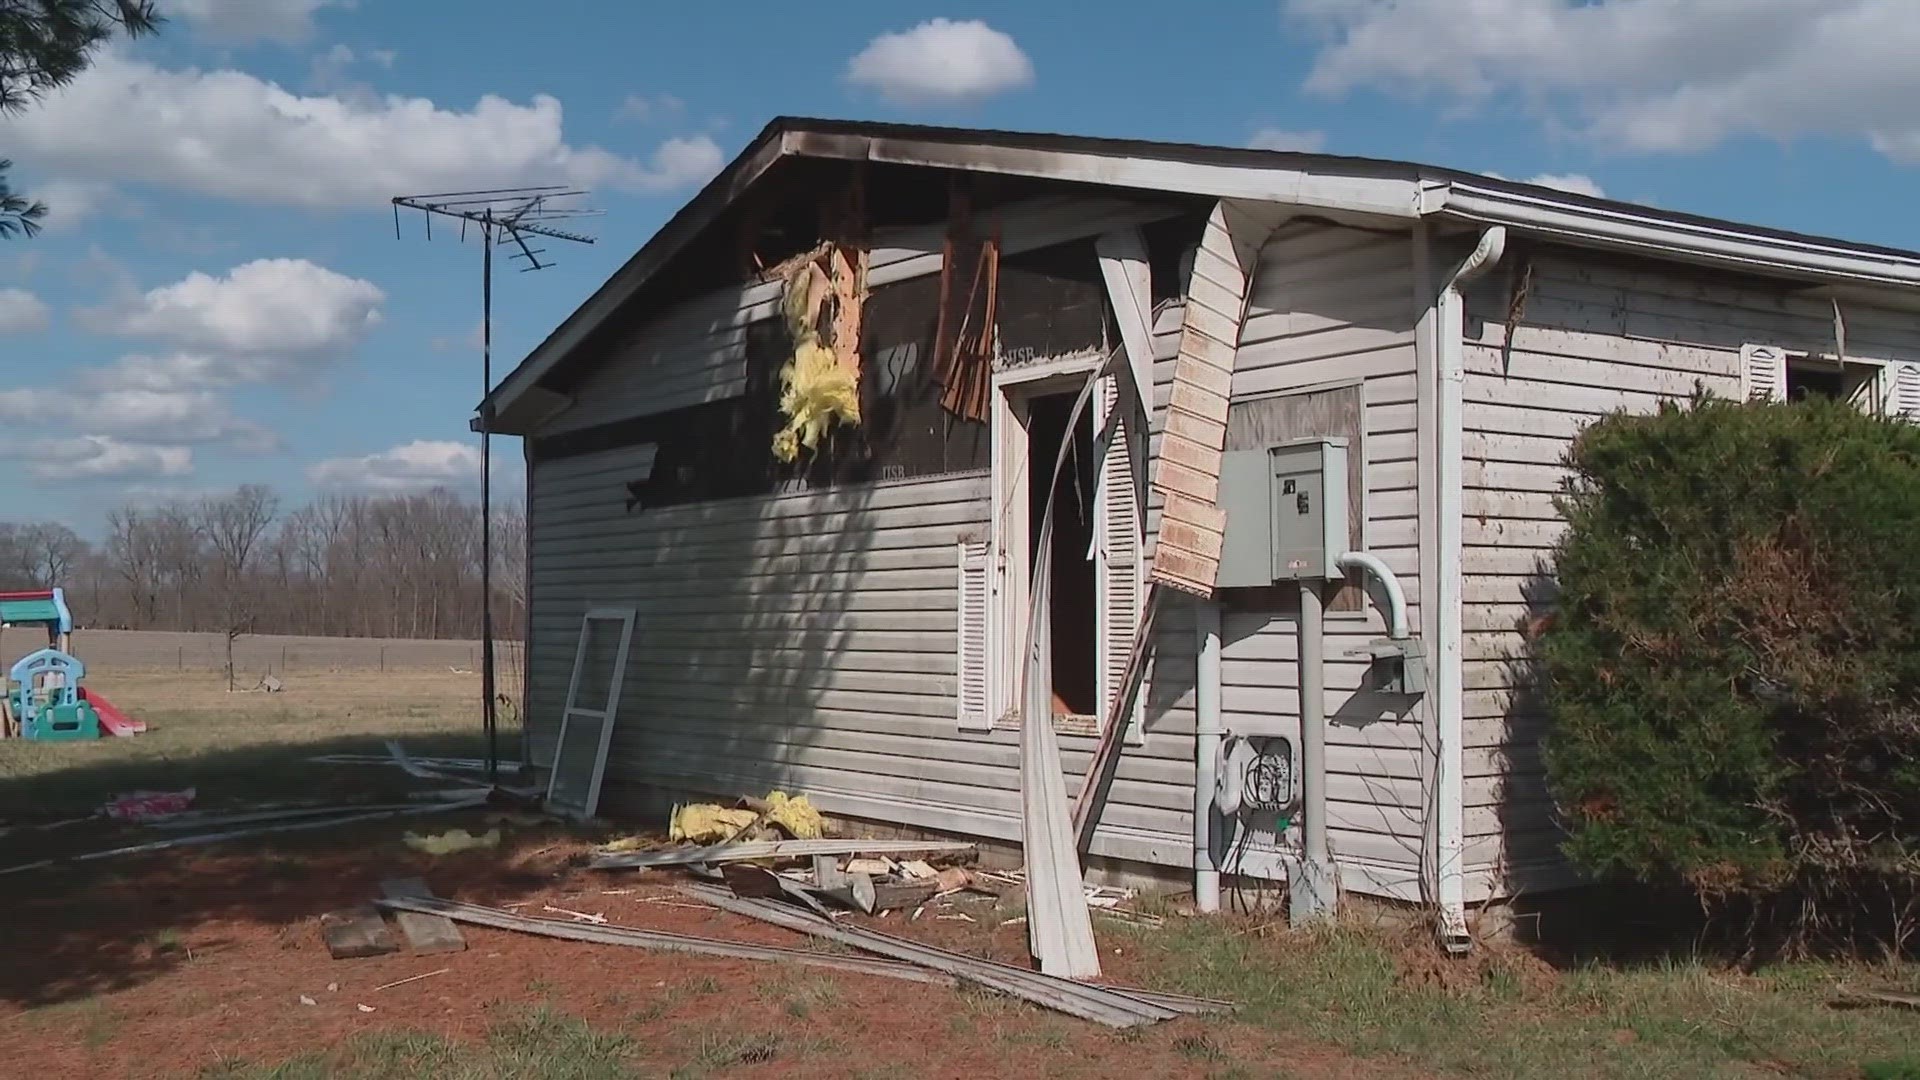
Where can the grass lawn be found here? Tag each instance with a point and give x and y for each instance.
(239, 747)
(209, 963)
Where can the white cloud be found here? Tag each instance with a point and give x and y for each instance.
(69, 202)
(646, 108)
(414, 466)
(1273, 138)
(242, 22)
(329, 69)
(1577, 183)
(1644, 75)
(261, 321)
(941, 62)
(98, 457)
(471, 340)
(227, 133)
(21, 312)
(135, 414)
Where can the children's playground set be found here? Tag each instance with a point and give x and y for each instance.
(43, 695)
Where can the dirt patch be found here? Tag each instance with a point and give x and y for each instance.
(1420, 964)
(170, 966)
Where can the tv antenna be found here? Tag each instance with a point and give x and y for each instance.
(518, 217)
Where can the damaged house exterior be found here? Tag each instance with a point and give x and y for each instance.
(847, 625)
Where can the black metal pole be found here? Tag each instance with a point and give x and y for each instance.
(486, 498)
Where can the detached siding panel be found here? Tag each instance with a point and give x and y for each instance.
(1593, 337)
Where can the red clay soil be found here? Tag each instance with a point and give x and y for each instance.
(165, 965)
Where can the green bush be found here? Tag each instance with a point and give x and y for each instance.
(1733, 668)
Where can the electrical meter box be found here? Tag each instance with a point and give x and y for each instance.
(1286, 512)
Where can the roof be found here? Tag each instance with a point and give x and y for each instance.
(1323, 182)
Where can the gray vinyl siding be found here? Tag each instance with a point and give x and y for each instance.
(802, 641)
(805, 643)
(1593, 337)
(1329, 305)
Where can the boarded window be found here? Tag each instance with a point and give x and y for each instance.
(1051, 302)
(1337, 412)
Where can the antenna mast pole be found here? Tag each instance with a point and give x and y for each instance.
(503, 215)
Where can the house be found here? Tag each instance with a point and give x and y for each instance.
(846, 625)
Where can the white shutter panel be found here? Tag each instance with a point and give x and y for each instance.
(1120, 571)
(1763, 373)
(1900, 391)
(975, 590)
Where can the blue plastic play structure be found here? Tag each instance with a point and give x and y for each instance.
(43, 697)
(46, 700)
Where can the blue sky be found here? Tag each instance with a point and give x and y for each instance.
(219, 297)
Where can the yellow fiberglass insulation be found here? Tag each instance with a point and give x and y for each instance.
(706, 823)
(816, 391)
(710, 823)
(796, 816)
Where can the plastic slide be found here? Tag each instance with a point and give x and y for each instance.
(112, 720)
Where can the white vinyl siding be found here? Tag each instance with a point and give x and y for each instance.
(1329, 305)
(1594, 336)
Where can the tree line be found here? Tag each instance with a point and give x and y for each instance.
(395, 565)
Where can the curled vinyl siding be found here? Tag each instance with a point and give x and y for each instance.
(1593, 337)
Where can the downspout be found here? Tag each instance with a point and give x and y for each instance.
(1448, 695)
(1208, 732)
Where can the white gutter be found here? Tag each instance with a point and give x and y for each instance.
(1672, 236)
(1448, 692)
(1207, 734)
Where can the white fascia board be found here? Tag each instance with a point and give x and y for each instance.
(1675, 238)
(1383, 196)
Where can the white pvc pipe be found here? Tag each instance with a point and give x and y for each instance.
(1448, 690)
(1389, 583)
(1207, 734)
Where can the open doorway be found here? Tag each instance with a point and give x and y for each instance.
(1072, 621)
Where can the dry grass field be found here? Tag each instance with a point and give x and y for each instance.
(247, 745)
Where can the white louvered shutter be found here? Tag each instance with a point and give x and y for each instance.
(1120, 571)
(1900, 391)
(1763, 373)
(975, 592)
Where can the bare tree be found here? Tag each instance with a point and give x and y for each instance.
(16, 563)
(402, 565)
(51, 549)
(134, 551)
(233, 525)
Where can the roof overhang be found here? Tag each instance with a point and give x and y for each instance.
(1340, 187)
(1598, 223)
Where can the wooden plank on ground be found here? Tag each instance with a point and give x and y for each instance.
(425, 934)
(355, 932)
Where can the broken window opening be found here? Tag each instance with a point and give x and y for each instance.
(1822, 377)
(1071, 650)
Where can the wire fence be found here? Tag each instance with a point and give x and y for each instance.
(258, 655)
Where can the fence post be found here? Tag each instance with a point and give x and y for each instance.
(283, 659)
(180, 658)
(383, 658)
